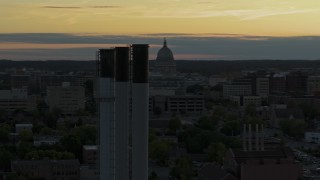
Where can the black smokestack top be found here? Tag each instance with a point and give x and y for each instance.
(122, 64)
(106, 58)
(140, 58)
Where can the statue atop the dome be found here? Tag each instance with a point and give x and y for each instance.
(165, 54)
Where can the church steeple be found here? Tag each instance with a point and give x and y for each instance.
(164, 42)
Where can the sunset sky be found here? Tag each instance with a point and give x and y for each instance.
(246, 22)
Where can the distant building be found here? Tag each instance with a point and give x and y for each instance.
(312, 137)
(213, 81)
(90, 154)
(255, 161)
(46, 169)
(16, 99)
(277, 164)
(67, 98)
(160, 83)
(262, 87)
(46, 140)
(20, 81)
(89, 172)
(246, 100)
(177, 103)
(164, 64)
(277, 83)
(297, 82)
(56, 80)
(5, 81)
(83, 79)
(313, 85)
(279, 114)
(214, 172)
(23, 127)
(237, 89)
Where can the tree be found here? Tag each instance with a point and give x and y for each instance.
(232, 142)
(42, 107)
(194, 89)
(50, 154)
(2, 115)
(152, 135)
(159, 151)
(47, 131)
(219, 114)
(157, 110)
(250, 110)
(310, 112)
(51, 119)
(72, 143)
(90, 101)
(37, 127)
(208, 123)
(253, 120)
(4, 133)
(231, 128)
(216, 152)
(293, 127)
(26, 136)
(24, 148)
(87, 134)
(88, 87)
(183, 169)
(174, 124)
(81, 112)
(5, 159)
(153, 176)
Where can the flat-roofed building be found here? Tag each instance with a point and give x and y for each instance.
(67, 98)
(246, 100)
(242, 87)
(46, 140)
(23, 127)
(14, 99)
(313, 85)
(277, 83)
(20, 81)
(56, 80)
(262, 87)
(83, 79)
(312, 136)
(90, 154)
(47, 169)
(276, 164)
(177, 103)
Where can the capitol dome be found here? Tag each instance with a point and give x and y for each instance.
(165, 54)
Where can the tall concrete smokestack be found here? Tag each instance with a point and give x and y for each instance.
(122, 114)
(262, 138)
(140, 112)
(250, 138)
(257, 137)
(244, 137)
(106, 95)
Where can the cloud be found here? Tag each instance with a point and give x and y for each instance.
(61, 7)
(261, 13)
(242, 14)
(105, 7)
(78, 7)
(184, 46)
